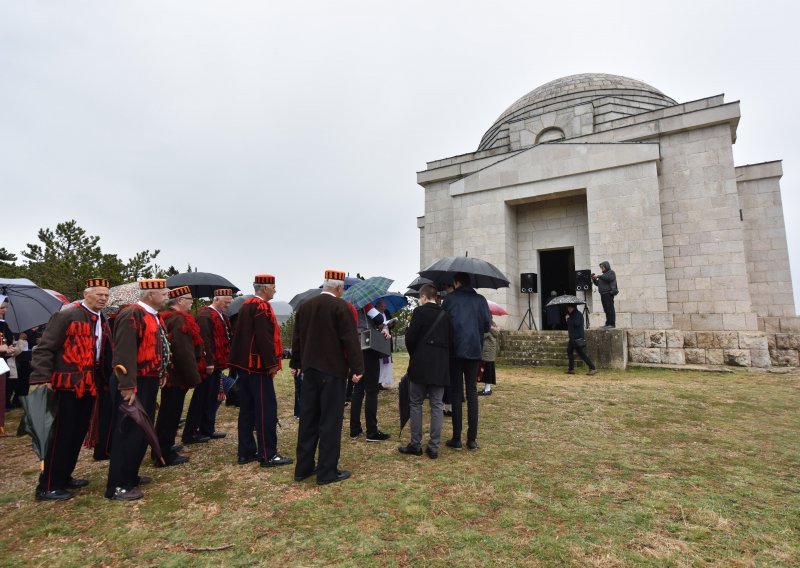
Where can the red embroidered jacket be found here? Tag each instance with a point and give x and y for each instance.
(215, 329)
(256, 346)
(66, 354)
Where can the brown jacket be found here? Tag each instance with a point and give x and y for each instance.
(325, 338)
(256, 346)
(188, 361)
(138, 345)
(215, 329)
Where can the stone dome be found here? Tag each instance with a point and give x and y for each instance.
(595, 88)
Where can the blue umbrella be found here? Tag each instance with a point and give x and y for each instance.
(394, 301)
(367, 291)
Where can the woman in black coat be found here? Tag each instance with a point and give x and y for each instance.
(577, 340)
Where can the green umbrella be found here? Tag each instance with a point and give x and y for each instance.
(367, 291)
(40, 406)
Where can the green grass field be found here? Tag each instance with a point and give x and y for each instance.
(645, 467)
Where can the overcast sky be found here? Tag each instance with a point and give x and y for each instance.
(248, 137)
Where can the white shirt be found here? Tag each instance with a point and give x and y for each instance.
(98, 331)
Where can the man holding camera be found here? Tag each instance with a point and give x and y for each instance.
(606, 283)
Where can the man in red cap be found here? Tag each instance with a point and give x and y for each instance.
(188, 361)
(256, 352)
(70, 357)
(215, 329)
(141, 358)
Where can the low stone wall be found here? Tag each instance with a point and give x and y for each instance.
(676, 347)
(783, 339)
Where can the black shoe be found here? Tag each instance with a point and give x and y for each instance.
(472, 445)
(455, 444)
(355, 435)
(144, 480)
(592, 372)
(484, 393)
(570, 372)
(246, 459)
(122, 494)
(198, 439)
(55, 495)
(410, 450)
(431, 453)
(340, 476)
(447, 412)
(176, 448)
(77, 483)
(378, 437)
(276, 461)
(216, 435)
(306, 476)
(173, 460)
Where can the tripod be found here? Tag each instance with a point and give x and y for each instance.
(586, 311)
(529, 317)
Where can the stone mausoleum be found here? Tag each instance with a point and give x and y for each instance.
(597, 167)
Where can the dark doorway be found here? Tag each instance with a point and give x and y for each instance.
(556, 273)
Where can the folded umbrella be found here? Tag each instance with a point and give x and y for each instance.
(28, 305)
(137, 413)
(496, 309)
(482, 274)
(367, 291)
(41, 407)
(202, 284)
(404, 401)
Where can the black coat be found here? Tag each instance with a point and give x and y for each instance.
(575, 324)
(430, 360)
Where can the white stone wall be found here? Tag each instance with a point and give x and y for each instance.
(704, 253)
(765, 239)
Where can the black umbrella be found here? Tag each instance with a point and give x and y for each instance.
(404, 401)
(137, 413)
(41, 406)
(28, 305)
(482, 274)
(298, 300)
(564, 300)
(202, 284)
(418, 283)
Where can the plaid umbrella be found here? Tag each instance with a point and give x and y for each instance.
(367, 291)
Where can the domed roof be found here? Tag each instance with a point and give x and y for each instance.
(572, 90)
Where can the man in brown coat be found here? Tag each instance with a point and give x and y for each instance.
(326, 349)
(256, 353)
(69, 358)
(141, 357)
(188, 362)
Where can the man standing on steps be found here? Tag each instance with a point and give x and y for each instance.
(606, 284)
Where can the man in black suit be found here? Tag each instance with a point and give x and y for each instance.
(326, 349)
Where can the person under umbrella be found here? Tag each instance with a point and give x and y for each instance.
(577, 340)
(486, 373)
(256, 353)
(70, 357)
(215, 329)
(141, 359)
(188, 362)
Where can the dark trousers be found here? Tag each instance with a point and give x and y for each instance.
(201, 418)
(608, 308)
(321, 416)
(571, 347)
(69, 430)
(258, 410)
(464, 373)
(367, 388)
(298, 388)
(128, 444)
(102, 447)
(20, 386)
(169, 415)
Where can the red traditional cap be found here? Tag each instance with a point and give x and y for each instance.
(334, 275)
(152, 284)
(94, 282)
(179, 291)
(223, 292)
(264, 279)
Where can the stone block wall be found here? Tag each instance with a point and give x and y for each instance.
(783, 340)
(678, 347)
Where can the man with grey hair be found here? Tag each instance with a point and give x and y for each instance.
(326, 349)
(256, 352)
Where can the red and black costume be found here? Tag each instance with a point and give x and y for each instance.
(188, 365)
(215, 329)
(68, 357)
(139, 354)
(256, 352)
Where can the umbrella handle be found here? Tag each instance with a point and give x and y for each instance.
(118, 369)
(41, 465)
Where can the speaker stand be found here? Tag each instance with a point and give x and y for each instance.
(586, 311)
(529, 317)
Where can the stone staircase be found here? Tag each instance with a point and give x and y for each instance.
(534, 348)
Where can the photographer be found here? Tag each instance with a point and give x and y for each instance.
(606, 284)
(577, 340)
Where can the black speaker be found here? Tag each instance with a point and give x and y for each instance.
(583, 280)
(528, 283)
